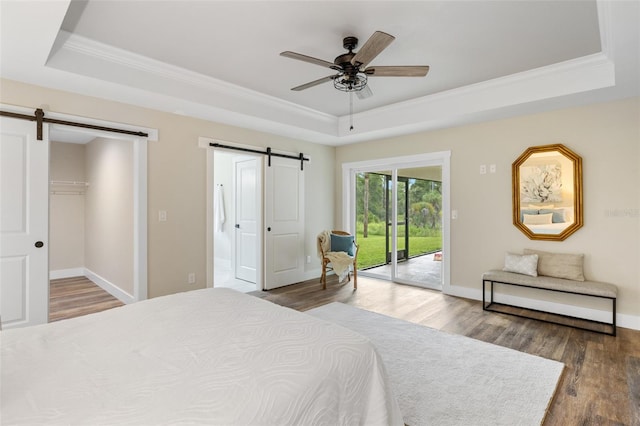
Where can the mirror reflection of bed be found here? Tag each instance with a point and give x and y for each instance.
(549, 219)
(547, 192)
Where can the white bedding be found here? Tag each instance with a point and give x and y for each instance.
(211, 356)
(549, 228)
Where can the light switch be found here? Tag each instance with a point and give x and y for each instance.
(454, 214)
(492, 168)
(162, 215)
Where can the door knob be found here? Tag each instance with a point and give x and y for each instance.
(269, 229)
(39, 244)
(238, 225)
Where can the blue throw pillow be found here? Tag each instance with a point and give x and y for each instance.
(558, 214)
(342, 243)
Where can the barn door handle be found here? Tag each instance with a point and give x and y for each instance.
(39, 244)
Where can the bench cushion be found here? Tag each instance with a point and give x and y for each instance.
(592, 288)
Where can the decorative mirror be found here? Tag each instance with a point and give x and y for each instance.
(547, 192)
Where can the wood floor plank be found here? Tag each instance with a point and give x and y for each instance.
(77, 296)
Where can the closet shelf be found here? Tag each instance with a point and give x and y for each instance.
(69, 183)
(68, 187)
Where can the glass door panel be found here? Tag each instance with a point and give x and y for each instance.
(421, 203)
(371, 219)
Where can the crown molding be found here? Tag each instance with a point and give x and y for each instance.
(566, 78)
(116, 74)
(77, 54)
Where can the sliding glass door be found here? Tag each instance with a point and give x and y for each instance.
(399, 225)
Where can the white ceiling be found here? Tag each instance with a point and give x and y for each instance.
(219, 60)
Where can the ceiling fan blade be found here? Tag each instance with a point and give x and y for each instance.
(398, 71)
(372, 48)
(314, 83)
(305, 58)
(364, 93)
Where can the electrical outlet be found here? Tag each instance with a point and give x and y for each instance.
(483, 169)
(191, 278)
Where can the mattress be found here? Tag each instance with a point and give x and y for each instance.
(211, 356)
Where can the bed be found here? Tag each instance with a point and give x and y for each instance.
(213, 356)
(549, 220)
(549, 228)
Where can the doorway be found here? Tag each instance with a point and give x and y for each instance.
(91, 211)
(237, 203)
(21, 307)
(278, 216)
(400, 215)
(237, 179)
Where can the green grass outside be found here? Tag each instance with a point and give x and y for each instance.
(372, 248)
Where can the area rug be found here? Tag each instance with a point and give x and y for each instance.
(446, 379)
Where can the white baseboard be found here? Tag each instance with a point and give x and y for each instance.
(66, 273)
(109, 287)
(622, 320)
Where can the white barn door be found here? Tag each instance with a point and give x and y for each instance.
(284, 222)
(24, 224)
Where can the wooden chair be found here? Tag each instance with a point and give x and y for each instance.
(326, 262)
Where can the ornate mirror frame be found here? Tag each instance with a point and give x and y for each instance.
(547, 192)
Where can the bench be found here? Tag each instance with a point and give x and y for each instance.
(584, 288)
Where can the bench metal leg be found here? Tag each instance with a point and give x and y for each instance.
(486, 306)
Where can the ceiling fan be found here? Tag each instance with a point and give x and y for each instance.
(351, 67)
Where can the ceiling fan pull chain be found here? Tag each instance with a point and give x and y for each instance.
(351, 111)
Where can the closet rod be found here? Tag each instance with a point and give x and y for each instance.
(268, 152)
(39, 118)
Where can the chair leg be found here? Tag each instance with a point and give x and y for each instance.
(323, 277)
(355, 277)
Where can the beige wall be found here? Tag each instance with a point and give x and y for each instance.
(607, 136)
(109, 211)
(66, 209)
(177, 179)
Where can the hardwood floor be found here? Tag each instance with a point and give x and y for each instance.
(74, 297)
(601, 381)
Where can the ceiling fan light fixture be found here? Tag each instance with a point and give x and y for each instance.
(350, 82)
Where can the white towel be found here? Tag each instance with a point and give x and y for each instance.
(218, 209)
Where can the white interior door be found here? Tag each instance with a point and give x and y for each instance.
(284, 215)
(24, 224)
(247, 213)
